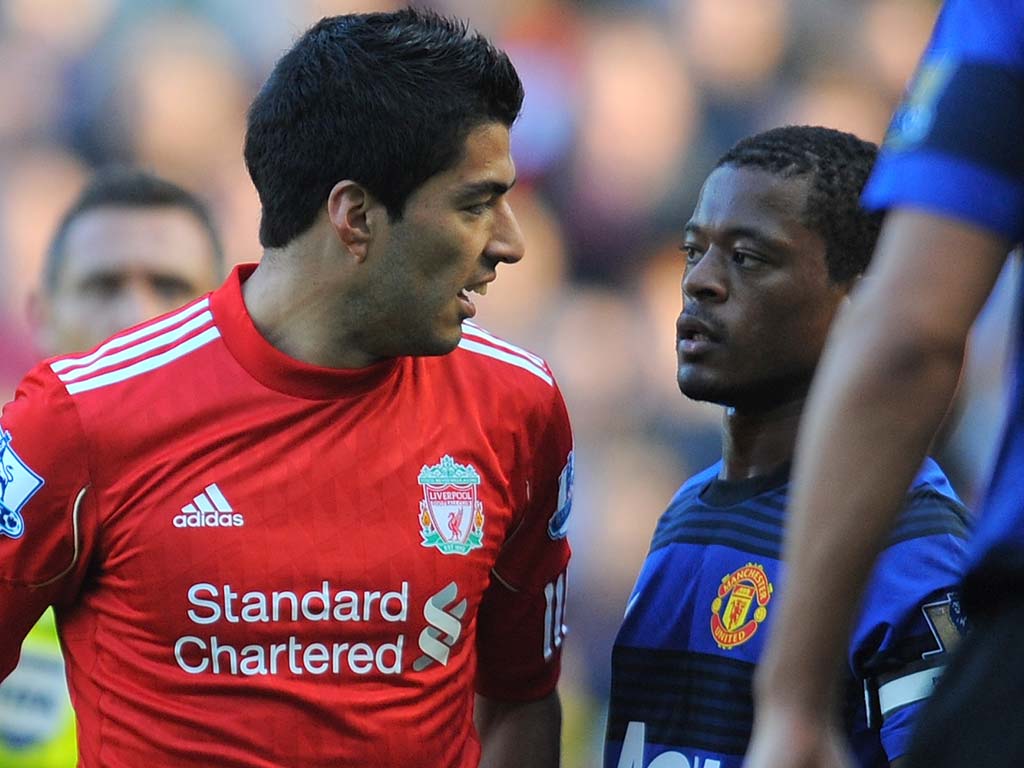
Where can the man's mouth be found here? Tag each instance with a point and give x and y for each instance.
(694, 336)
(467, 303)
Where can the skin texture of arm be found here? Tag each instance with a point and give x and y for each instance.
(885, 382)
(515, 734)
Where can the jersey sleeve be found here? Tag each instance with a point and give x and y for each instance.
(911, 618)
(45, 508)
(953, 146)
(521, 620)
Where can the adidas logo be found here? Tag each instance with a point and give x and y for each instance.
(208, 510)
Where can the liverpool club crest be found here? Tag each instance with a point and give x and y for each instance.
(451, 516)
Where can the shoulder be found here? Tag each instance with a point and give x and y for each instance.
(690, 490)
(932, 507)
(488, 370)
(497, 358)
(137, 353)
(682, 503)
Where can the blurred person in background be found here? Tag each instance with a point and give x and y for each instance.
(316, 516)
(951, 177)
(773, 248)
(130, 247)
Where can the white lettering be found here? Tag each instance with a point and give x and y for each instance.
(276, 598)
(190, 668)
(253, 662)
(632, 755)
(254, 607)
(347, 606)
(361, 658)
(229, 604)
(324, 612)
(196, 655)
(193, 597)
(316, 658)
(215, 651)
(403, 604)
(368, 598)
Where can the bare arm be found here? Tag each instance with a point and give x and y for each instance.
(519, 734)
(885, 382)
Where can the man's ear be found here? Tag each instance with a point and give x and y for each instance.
(353, 212)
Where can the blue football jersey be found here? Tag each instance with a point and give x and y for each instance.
(956, 147)
(702, 608)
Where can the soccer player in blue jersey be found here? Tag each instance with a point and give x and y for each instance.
(774, 246)
(951, 175)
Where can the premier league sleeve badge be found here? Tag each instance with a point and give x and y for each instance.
(18, 483)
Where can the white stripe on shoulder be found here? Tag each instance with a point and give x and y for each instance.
(520, 362)
(130, 338)
(140, 349)
(146, 365)
(472, 329)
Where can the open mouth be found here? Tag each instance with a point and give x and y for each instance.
(468, 306)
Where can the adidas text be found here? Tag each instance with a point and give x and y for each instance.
(209, 520)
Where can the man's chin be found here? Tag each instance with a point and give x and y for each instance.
(701, 390)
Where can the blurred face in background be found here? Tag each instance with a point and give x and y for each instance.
(121, 266)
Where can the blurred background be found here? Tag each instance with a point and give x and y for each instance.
(628, 105)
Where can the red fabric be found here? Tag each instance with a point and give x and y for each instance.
(313, 477)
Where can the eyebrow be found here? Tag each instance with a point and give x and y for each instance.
(735, 233)
(481, 188)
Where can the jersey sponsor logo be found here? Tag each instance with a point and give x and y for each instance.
(632, 755)
(731, 624)
(444, 627)
(558, 525)
(451, 516)
(18, 484)
(915, 116)
(208, 510)
(214, 607)
(947, 622)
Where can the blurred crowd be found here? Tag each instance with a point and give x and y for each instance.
(628, 105)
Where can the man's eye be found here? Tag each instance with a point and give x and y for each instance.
(172, 287)
(745, 259)
(103, 287)
(691, 252)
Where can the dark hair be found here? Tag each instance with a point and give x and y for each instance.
(384, 99)
(127, 187)
(839, 164)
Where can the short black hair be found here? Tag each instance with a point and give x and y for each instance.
(127, 187)
(839, 164)
(383, 99)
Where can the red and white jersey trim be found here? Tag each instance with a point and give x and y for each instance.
(135, 353)
(476, 339)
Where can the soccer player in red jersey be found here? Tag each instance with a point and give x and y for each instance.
(316, 517)
(130, 247)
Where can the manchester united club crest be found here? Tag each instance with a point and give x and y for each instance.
(451, 516)
(740, 591)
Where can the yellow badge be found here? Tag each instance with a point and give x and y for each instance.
(739, 591)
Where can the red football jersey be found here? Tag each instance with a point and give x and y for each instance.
(258, 562)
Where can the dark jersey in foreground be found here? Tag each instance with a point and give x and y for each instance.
(703, 605)
(956, 148)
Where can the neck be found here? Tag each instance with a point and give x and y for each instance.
(302, 300)
(755, 443)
